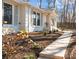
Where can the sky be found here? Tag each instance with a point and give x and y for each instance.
(59, 4)
(44, 4)
(34, 2)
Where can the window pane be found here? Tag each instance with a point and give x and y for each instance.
(38, 22)
(34, 18)
(34, 21)
(38, 19)
(7, 14)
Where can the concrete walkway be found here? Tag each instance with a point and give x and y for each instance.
(57, 49)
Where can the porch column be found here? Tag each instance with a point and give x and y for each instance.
(27, 19)
(49, 23)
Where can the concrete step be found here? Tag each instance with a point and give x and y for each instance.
(57, 49)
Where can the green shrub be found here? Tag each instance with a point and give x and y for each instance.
(30, 55)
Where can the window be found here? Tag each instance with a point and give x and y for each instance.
(7, 17)
(36, 19)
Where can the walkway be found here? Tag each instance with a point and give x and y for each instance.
(56, 50)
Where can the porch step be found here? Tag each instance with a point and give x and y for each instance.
(57, 49)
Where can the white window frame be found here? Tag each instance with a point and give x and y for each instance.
(12, 13)
(36, 19)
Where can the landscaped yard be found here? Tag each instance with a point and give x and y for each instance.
(18, 46)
